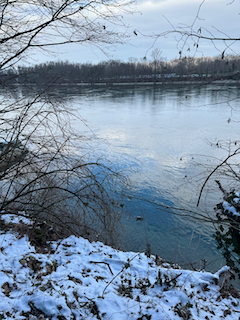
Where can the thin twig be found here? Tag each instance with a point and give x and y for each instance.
(216, 168)
(104, 263)
(126, 265)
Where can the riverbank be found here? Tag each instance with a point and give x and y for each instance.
(75, 279)
(152, 83)
(140, 82)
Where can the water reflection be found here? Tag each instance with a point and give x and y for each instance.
(157, 136)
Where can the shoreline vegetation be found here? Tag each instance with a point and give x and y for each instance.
(152, 83)
(115, 72)
(137, 83)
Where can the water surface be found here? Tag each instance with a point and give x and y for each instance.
(161, 137)
(165, 139)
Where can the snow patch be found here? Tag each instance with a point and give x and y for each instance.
(230, 208)
(83, 280)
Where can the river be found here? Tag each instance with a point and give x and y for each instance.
(166, 139)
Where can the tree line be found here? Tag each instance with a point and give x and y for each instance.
(158, 69)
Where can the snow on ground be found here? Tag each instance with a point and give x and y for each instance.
(77, 279)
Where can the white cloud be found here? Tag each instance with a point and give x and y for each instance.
(155, 17)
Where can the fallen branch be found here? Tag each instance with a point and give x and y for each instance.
(104, 263)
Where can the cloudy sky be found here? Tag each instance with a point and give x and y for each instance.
(221, 18)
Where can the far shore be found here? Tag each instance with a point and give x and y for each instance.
(115, 83)
(152, 83)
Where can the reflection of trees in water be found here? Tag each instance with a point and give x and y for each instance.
(191, 38)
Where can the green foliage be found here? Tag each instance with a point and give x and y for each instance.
(228, 231)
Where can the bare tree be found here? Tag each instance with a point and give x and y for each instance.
(156, 56)
(190, 36)
(29, 25)
(48, 170)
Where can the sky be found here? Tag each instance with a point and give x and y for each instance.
(154, 17)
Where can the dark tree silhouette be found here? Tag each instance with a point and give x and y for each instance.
(47, 170)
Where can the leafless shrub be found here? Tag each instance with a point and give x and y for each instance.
(48, 171)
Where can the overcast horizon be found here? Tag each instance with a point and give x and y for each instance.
(219, 17)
